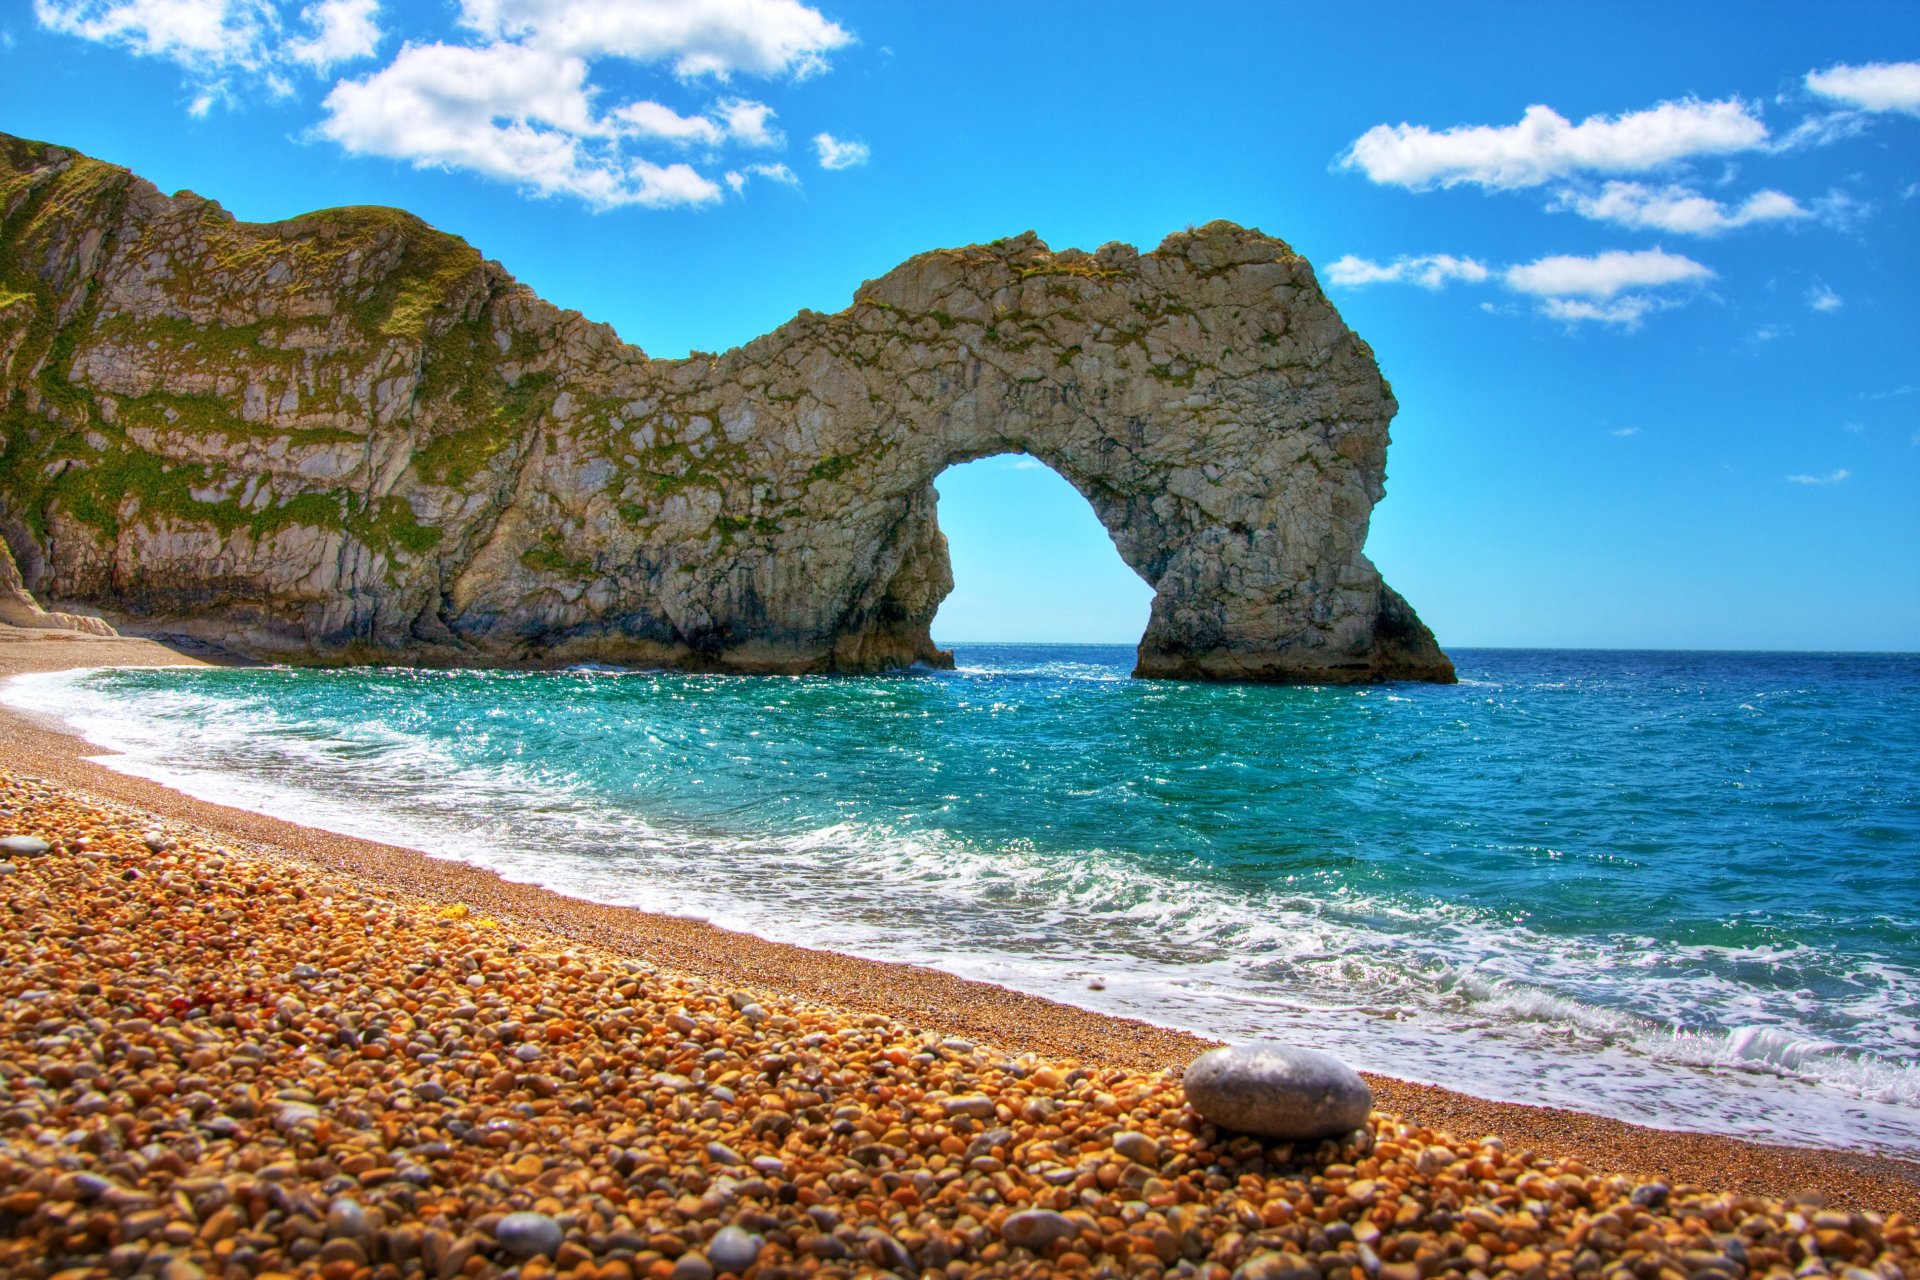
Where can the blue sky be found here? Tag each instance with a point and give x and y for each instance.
(1644, 277)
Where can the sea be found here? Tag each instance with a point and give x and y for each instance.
(1681, 889)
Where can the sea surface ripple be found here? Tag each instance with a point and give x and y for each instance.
(1677, 888)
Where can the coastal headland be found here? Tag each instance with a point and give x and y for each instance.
(348, 437)
(232, 1042)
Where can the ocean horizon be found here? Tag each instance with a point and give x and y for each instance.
(1677, 887)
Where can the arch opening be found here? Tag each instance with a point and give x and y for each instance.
(1031, 561)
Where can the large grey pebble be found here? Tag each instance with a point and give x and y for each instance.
(527, 1235)
(733, 1249)
(1278, 1091)
(23, 846)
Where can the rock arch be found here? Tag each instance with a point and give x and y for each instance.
(347, 437)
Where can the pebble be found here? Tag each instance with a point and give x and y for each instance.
(1036, 1228)
(239, 1066)
(529, 1235)
(733, 1248)
(691, 1266)
(1278, 1091)
(8, 869)
(23, 846)
(1137, 1147)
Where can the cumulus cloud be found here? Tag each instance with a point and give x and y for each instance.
(718, 38)
(1430, 271)
(748, 123)
(836, 153)
(1822, 298)
(1677, 208)
(509, 112)
(220, 42)
(341, 31)
(513, 93)
(1832, 477)
(1875, 86)
(1545, 145)
(1604, 275)
(736, 179)
(1615, 288)
(521, 107)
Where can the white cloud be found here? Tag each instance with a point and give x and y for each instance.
(701, 37)
(1627, 311)
(1623, 432)
(651, 120)
(1840, 210)
(1876, 86)
(749, 123)
(1609, 288)
(1677, 208)
(343, 30)
(201, 35)
(836, 153)
(737, 179)
(1832, 477)
(775, 173)
(1823, 130)
(1822, 298)
(1606, 288)
(1769, 333)
(509, 112)
(1429, 271)
(1604, 275)
(520, 102)
(217, 41)
(1545, 145)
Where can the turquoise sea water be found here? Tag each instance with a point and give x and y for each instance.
(1678, 888)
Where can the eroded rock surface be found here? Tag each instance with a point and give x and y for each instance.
(347, 437)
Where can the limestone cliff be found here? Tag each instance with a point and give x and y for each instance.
(347, 437)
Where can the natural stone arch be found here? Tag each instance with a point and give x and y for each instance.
(346, 437)
(1225, 426)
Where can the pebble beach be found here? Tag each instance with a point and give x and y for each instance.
(229, 1047)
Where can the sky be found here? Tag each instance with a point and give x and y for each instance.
(1645, 278)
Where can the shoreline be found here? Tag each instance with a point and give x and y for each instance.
(919, 998)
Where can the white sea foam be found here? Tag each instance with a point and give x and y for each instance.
(1422, 990)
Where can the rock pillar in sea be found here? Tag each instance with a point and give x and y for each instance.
(347, 437)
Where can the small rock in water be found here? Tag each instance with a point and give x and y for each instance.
(1278, 1091)
(528, 1235)
(733, 1249)
(1096, 984)
(1036, 1228)
(23, 846)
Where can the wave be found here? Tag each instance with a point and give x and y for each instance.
(1621, 1024)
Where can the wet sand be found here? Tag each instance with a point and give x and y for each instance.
(917, 998)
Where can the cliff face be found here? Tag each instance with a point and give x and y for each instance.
(347, 437)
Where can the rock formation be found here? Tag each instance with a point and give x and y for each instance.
(347, 437)
(18, 608)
